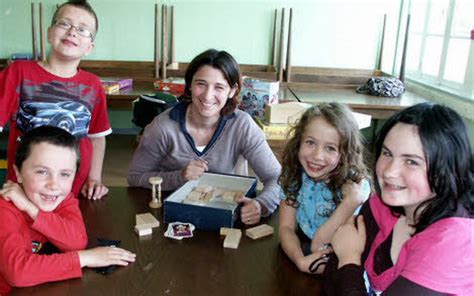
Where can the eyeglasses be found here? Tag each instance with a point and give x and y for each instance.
(84, 32)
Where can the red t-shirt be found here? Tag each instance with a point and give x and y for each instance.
(21, 238)
(30, 97)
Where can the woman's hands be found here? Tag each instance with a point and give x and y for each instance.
(348, 242)
(194, 169)
(105, 256)
(251, 210)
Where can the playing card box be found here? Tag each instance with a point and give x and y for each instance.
(214, 214)
(122, 82)
(111, 88)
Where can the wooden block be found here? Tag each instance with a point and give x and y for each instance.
(228, 196)
(259, 231)
(147, 220)
(232, 239)
(203, 188)
(238, 194)
(231, 196)
(142, 230)
(226, 230)
(194, 196)
(208, 196)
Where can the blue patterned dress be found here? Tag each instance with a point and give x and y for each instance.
(316, 204)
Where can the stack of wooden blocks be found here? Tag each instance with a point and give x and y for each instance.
(145, 223)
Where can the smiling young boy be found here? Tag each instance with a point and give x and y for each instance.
(40, 208)
(56, 92)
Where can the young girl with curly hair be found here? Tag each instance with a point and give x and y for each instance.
(323, 181)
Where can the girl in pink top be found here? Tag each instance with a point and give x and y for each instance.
(415, 236)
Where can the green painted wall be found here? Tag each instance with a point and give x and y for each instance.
(326, 33)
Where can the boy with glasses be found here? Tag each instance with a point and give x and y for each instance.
(56, 92)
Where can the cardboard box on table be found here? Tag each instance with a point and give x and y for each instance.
(255, 93)
(174, 86)
(213, 215)
(284, 113)
(273, 131)
(111, 88)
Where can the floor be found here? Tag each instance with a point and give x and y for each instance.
(118, 155)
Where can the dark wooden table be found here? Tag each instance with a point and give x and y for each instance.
(194, 266)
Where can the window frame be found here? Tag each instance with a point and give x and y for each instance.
(465, 89)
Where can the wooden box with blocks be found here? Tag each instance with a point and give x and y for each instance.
(207, 210)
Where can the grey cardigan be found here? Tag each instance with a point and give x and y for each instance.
(166, 147)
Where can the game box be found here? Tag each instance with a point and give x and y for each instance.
(215, 213)
(122, 82)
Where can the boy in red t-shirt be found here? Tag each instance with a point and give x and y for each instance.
(41, 208)
(56, 92)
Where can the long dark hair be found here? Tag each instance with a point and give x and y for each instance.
(350, 148)
(448, 154)
(222, 61)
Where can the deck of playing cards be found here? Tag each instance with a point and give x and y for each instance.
(179, 230)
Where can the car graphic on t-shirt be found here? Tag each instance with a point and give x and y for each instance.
(71, 116)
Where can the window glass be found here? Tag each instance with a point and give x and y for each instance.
(463, 19)
(456, 60)
(438, 16)
(413, 53)
(432, 55)
(418, 12)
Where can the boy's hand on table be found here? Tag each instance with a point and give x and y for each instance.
(105, 256)
(94, 189)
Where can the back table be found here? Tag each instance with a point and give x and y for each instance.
(197, 266)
